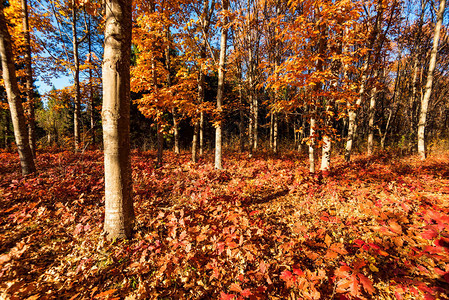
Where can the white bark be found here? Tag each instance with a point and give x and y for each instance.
(326, 154)
(220, 91)
(371, 115)
(429, 83)
(312, 145)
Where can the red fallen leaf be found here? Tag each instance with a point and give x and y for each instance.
(343, 285)
(106, 293)
(262, 267)
(439, 271)
(246, 293)
(395, 227)
(224, 296)
(342, 272)
(235, 287)
(298, 272)
(338, 247)
(354, 288)
(331, 254)
(327, 240)
(286, 275)
(298, 228)
(429, 297)
(429, 234)
(4, 258)
(78, 229)
(446, 277)
(443, 242)
(359, 242)
(366, 283)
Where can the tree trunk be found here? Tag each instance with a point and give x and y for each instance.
(428, 88)
(312, 146)
(14, 101)
(29, 79)
(241, 114)
(76, 80)
(220, 90)
(160, 146)
(256, 122)
(352, 112)
(416, 67)
(175, 131)
(251, 120)
(119, 212)
(201, 133)
(91, 89)
(275, 132)
(169, 83)
(196, 128)
(371, 115)
(326, 154)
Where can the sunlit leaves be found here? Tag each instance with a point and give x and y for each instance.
(262, 227)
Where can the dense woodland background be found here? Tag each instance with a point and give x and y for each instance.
(275, 150)
(287, 64)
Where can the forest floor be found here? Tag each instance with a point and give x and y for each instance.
(264, 228)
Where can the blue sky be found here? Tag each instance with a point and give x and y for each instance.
(58, 83)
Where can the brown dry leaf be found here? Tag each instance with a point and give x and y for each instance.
(106, 293)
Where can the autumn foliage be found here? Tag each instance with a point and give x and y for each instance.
(263, 228)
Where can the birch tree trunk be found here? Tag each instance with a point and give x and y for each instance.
(29, 79)
(76, 79)
(352, 112)
(241, 113)
(220, 90)
(416, 67)
(14, 101)
(91, 88)
(429, 83)
(326, 154)
(312, 145)
(371, 115)
(119, 212)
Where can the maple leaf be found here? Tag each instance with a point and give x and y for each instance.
(235, 287)
(246, 293)
(366, 283)
(224, 296)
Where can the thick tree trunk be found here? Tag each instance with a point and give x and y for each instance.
(428, 88)
(29, 79)
(119, 212)
(14, 101)
(76, 80)
(220, 90)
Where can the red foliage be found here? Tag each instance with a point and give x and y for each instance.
(262, 227)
